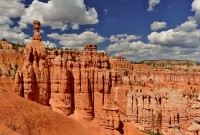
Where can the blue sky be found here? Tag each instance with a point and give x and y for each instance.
(136, 29)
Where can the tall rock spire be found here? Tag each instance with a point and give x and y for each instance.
(32, 81)
(36, 25)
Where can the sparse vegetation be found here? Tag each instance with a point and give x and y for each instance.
(4, 39)
(151, 132)
(168, 64)
(140, 62)
(12, 71)
(134, 78)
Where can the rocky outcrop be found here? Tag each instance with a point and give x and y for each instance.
(5, 45)
(32, 80)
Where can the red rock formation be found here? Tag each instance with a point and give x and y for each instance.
(33, 78)
(100, 88)
(159, 110)
(5, 46)
(60, 100)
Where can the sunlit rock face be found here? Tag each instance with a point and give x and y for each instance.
(32, 80)
(99, 89)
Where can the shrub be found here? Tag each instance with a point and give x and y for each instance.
(151, 132)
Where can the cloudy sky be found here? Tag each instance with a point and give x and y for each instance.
(136, 29)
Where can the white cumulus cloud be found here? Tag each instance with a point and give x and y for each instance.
(12, 34)
(196, 9)
(123, 37)
(158, 25)
(5, 20)
(77, 40)
(185, 35)
(75, 26)
(11, 8)
(134, 51)
(57, 13)
(49, 44)
(152, 4)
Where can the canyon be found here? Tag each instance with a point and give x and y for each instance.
(110, 94)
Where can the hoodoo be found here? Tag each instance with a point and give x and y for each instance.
(32, 81)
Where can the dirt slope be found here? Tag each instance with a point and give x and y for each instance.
(6, 131)
(21, 116)
(10, 60)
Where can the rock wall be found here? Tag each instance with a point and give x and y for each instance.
(82, 82)
(158, 110)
